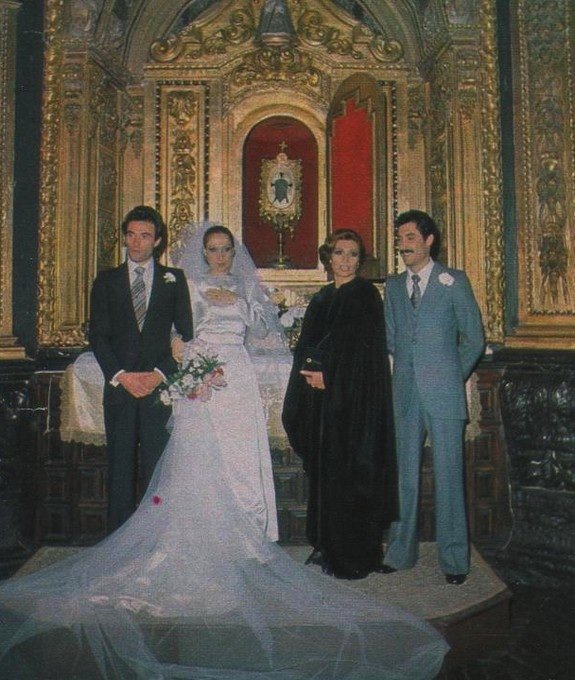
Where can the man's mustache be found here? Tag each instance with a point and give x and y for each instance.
(405, 251)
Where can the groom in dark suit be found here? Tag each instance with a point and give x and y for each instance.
(133, 310)
(435, 336)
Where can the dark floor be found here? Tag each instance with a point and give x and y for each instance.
(540, 644)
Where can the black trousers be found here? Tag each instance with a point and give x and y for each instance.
(136, 436)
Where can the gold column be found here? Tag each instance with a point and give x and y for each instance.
(8, 10)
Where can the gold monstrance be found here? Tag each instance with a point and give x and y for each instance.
(280, 198)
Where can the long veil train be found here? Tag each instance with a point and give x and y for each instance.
(190, 588)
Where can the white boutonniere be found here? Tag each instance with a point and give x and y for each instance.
(169, 277)
(446, 279)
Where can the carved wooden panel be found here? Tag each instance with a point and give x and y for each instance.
(544, 89)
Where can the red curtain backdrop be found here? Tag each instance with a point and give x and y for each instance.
(264, 142)
(352, 172)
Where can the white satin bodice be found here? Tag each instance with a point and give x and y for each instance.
(225, 324)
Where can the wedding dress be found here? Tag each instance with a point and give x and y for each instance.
(242, 432)
(193, 585)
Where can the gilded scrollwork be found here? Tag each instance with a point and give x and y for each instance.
(492, 179)
(442, 96)
(289, 66)
(193, 42)
(312, 30)
(417, 115)
(386, 51)
(182, 157)
(49, 183)
(132, 112)
(546, 75)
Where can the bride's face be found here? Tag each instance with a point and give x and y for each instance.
(219, 253)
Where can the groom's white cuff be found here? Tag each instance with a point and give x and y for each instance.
(114, 381)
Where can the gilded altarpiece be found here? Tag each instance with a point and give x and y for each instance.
(163, 121)
(544, 91)
(461, 123)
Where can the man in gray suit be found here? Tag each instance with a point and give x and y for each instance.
(435, 336)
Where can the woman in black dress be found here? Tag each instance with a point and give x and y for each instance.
(337, 415)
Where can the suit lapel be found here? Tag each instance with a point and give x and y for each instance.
(434, 290)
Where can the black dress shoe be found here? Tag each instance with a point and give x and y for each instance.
(385, 569)
(455, 579)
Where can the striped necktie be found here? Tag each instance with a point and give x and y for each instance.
(416, 292)
(139, 296)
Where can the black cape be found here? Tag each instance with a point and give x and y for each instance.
(344, 434)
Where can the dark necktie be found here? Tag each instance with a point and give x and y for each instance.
(416, 292)
(139, 296)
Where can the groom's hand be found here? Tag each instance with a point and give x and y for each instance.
(139, 384)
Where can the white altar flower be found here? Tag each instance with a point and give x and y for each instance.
(446, 279)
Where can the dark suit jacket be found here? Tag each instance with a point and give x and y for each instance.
(114, 334)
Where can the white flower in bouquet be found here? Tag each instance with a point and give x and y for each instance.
(199, 374)
(292, 316)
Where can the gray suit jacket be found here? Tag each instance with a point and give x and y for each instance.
(436, 347)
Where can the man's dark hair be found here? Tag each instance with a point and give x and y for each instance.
(145, 213)
(425, 226)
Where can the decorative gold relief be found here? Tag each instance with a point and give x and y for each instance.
(441, 96)
(181, 129)
(313, 31)
(386, 51)
(289, 66)
(417, 115)
(132, 111)
(493, 319)
(49, 183)
(545, 169)
(193, 43)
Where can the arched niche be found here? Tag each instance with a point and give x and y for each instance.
(283, 145)
(362, 184)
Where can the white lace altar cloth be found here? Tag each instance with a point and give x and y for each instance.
(82, 386)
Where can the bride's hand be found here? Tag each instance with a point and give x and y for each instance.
(178, 349)
(221, 296)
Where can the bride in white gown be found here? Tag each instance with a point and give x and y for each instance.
(193, 584)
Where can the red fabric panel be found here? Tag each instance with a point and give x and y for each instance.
(352, 172)
(264, 142)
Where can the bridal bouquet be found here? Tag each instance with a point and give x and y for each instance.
(199, 374)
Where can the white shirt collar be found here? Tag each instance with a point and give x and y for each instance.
(148, 264)
(423, 274)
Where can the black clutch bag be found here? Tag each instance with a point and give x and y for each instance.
(312, 360)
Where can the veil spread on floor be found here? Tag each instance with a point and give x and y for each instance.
(189, 587)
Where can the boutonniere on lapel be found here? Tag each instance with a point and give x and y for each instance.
(169, 277)
(446, 279)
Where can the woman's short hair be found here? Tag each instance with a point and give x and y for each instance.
(218, 229)
(327, 248)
